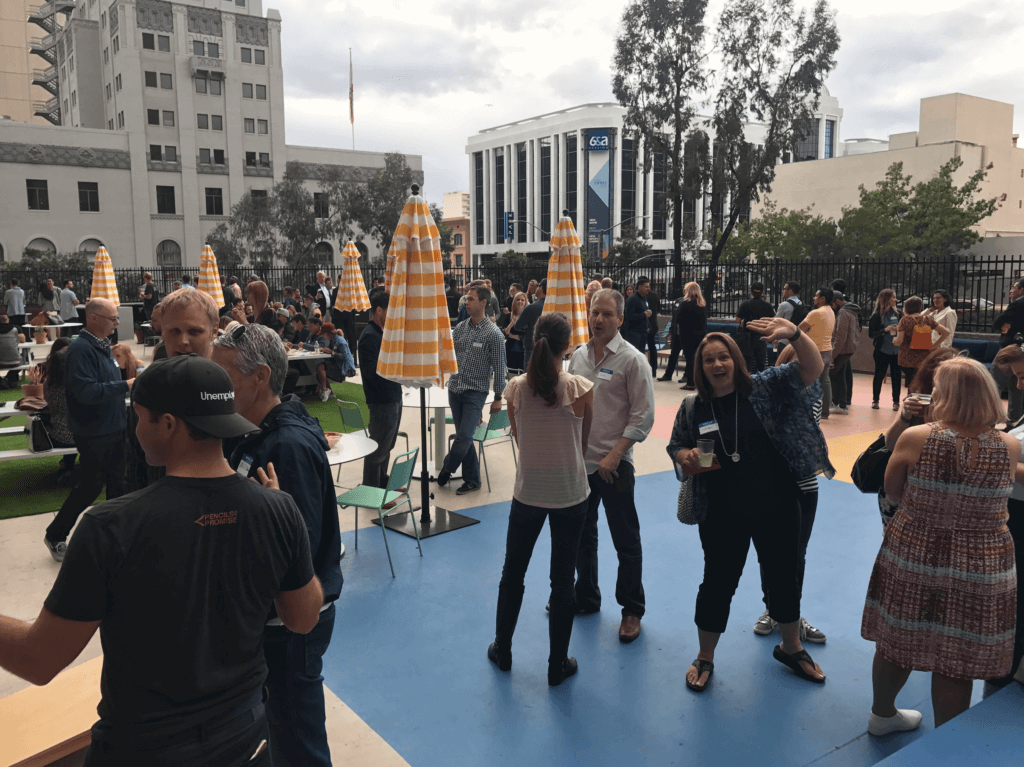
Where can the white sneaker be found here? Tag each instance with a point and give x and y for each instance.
(764, 625)
(324, 396)
(833, 408)
(904, 721)
(810, 634)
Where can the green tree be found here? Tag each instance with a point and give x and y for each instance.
(56, 264)
(377, 206)
(660, 72)
(783, 234)
(627, 249)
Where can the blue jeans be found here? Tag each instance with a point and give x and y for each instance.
(467, 408)
(620, 510)
(295, 709)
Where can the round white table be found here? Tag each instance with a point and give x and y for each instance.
(437, 400)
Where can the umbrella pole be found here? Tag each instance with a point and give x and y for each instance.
(424, 474)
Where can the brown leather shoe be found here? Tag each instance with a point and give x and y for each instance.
(629, 629)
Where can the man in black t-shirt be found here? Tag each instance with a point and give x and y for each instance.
(755, 308)
(179, 578)
(149, 295)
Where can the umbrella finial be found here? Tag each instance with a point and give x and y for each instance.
(565, 212)
(415, 189)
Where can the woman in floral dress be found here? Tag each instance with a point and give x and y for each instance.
(942, 596)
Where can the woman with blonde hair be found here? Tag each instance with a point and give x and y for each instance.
(943, 590)
(882, 330)
(513, 343)
(691, 325)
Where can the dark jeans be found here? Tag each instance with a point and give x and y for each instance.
(467, 408)
(725, 537)
(886, 362)
(909, 373)
(757, 359)
(689, 352)
(620, 510)
(102, 465)
(651, 342)
(635, 337)
(840, 374)
(227, 743)
(383, 428)
(295, 709)
(808, 508)
(826, 384)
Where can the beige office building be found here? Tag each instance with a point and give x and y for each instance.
(20, 70)
(955, 125)
(171, 113)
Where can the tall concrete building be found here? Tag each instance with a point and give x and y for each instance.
(171, 113)
(28, 80)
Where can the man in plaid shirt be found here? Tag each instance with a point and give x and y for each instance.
(480, 351)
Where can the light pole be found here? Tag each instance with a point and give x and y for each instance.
(604, 231)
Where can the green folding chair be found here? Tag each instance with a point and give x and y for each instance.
(352, 420)
(497, 431)
(386, 501)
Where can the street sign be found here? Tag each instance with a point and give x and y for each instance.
(510, 225)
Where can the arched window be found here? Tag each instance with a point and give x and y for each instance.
(457, 240)
(168, 254)
(89, 247)
(364, 252)
(2, 259)
(324, 253)
(43, 245)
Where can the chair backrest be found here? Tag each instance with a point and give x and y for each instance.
(498, 421)
(351, 416)
(402, 469)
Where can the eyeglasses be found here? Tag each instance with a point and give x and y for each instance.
(238, 332)
(115, 320)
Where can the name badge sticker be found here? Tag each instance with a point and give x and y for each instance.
(478, 344)
(245, 465)
(605, 374)
(708, 426)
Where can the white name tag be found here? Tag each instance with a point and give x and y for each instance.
(605, 374)
(478, 344)
(246, 464)
(708, 426)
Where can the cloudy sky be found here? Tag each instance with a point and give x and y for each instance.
(428, 74)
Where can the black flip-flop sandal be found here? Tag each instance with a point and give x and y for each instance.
(701, 666)
(793, 662)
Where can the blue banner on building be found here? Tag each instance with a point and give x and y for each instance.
(598, 188)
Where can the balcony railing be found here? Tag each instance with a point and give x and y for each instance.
(48, 109)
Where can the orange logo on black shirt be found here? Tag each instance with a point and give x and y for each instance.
(224, 518)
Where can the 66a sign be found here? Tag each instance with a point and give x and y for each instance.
(599, 140)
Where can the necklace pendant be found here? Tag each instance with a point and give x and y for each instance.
(735, 457)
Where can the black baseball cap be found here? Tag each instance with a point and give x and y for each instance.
(195, 390)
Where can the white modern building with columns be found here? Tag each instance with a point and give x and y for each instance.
(580, 160)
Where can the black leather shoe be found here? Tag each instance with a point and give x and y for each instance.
(579, 610)
(665, 378)
(443, 477)
(560, 673)
(502, 660)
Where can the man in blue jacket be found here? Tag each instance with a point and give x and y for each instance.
(638, 314)
(293, 443)
(97, 417)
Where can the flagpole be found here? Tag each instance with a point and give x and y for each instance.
(351, 100)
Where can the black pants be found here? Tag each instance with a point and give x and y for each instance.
(757, 359)
(620, 510)
(673, 357)
(841, 375)
(689, 352)
(102, 466)
(651, 343)
(1016, 525)
(808, 508)
(886, 362)
(725, 537)
(909, 373)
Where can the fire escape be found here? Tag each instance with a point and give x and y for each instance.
(45, 47)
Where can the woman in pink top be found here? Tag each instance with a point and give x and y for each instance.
(550, 413)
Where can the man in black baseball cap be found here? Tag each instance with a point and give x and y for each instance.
(179, 577)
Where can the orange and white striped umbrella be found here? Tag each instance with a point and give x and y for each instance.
(566, 293)
(103, 284)
(209, 277)
(417, 346)
(352, 291)
(389, 272)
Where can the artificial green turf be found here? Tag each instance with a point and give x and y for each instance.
(29, 487)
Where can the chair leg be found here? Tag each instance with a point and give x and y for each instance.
(357, 527)
(483, 460)
(415, 526)
(384, 530)
(515, 458)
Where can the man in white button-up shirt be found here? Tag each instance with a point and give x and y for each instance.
(623, 415)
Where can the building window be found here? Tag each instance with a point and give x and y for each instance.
(570, 175)
(240, 3)
(120, 120)
(153, 116)
(42, 245)
(117, 45)
(163, 42)
(478, 181)
(117, 83)
(165, 200)
(89, 247)
(148, 41)
(108, 91)
(545, 186)
(198, 48)
(218, 156)
(155, 152)
(106, 55)
(628, 185)
(103, 20)
(74, 98)
(88, 197)
(200, 85)
(499, 194)
(250, 125)
(324, 253)
(264, 127)
(247, 55)
(204, 156)
(66, 109)
(169, 119)
(830, 138)
(261, 57)
(214, 86)
(165, 81)
(110, 124)
(63, 74)
(170, 154)
(521, 190)
(264, 159)
(250, 161)
(213, 50)
(71, 63)
(150, 79)
(38, 194)
(217, 122)
(261, 92)
(259, 194)
(202, 122)
(321, 205)
(246, 90)
(457, 240)
(168, 253)
(805, 145)
(214, 201)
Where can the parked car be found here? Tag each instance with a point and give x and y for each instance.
(962, 305)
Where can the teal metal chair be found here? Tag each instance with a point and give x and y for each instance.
(497, 431)
(386, 501)
(352, 420)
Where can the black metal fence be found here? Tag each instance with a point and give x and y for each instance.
(978, 286)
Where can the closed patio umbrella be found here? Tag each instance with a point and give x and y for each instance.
(565, 292)
(352, 295)
(209, 277)
(103, 284)
(389, 272)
